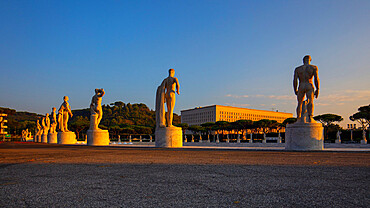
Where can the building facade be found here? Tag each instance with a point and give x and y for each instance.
(2, 124)
(214, 113)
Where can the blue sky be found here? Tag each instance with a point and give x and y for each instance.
(239, 53)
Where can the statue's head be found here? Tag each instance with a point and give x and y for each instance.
(171, 72)
(65, 98)
(47, 115)
(53, 109)
(307, 59)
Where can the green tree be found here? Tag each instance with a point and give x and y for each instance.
(221, 126)
(265, 124)
(327, 120)
(79, 124)
(208, 127)
(363, 118)
(289, 121)
(196, 129)
(184, 127)
(243, 126)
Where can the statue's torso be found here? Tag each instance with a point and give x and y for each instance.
(305, 73)
(171, 84)
(53, 117)
(98, 101)
(64, 107)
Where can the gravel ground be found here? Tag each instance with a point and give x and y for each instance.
(41, 175)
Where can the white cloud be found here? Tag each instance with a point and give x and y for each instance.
(237, 104)
(276, 97)
(335, 98)
(236, 96)
(339, 98)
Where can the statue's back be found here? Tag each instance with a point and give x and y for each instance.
(305, 73)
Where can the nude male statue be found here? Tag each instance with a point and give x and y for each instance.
(45, 124)
(64, 113)
(95, 106)
(38, 127)
(171, 84)
(305, 74)
(53, 120)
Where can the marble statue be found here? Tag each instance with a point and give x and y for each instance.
(38, 127)
(25, 135)
(96, 109)
(64, 136)
(95, 135)
(166, 94)
(338, 134)
(53, 120)
(305, 134)
(167, 135)
(45, 124)
(63, 115)
(305, 75)
(38, 132)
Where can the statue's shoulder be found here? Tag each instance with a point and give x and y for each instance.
(299, 68)
(314, 68)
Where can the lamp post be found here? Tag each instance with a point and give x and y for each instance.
(351, 127)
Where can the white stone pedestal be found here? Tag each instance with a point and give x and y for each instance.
(338, 141)
(168, 137)
(363, 141)
(53, 138)
(44, 138)
(304, 136)
(67, 138)
(97, 137)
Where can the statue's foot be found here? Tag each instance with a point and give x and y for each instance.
(300, 120)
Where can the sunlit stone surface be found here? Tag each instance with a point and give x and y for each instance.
(304, 136)
(67, 138)
(168, 137)
(53, 138)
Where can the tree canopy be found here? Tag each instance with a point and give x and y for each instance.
(363, 118)
(328, 119)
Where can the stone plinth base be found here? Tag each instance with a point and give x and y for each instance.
(364, 141)
(338, 141)
(97, 137)
(168, 137)
(67, 138)
(44, 138)
(53, 138)
(304, 136)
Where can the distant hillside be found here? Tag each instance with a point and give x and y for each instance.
(119, 117)
(17, 121)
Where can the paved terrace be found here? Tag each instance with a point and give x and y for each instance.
(44, 175)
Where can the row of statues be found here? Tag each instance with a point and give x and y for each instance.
(49, 123)
(305, 83)
(53, 123)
